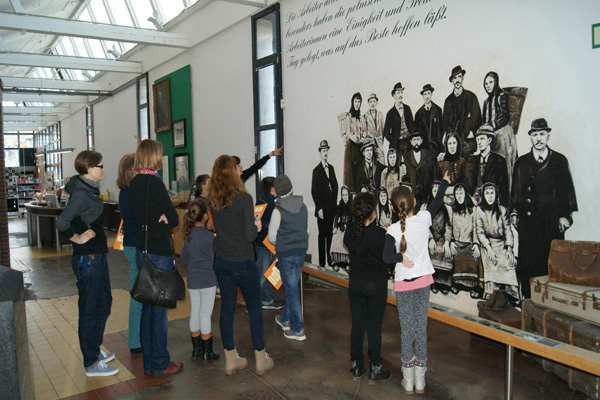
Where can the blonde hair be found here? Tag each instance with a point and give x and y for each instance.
(148, 155)
(126, 171)
(403, 202)
(195, 212)
(225, 183)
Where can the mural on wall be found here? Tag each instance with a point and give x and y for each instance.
(501, 211)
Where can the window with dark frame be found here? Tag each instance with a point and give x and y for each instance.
(267, 80)
(89, 126)
(142, 107)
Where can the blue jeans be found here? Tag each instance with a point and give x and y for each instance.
(264, 259)
(135, 307)
(245, 274)
(291, 268)
(95, 300)
(153, 325)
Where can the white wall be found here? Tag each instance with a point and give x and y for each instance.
(115, 133)
(73, 135)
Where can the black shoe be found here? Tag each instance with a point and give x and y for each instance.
(207, 350)
(197, 344)
(358, 369)
(137, 350)
(377, 374)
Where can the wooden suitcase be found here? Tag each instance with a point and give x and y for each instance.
(567, 329)
(577, 263)
(576, 300)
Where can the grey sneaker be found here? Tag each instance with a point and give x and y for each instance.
(296, 335)
(101, 369)
(106, 357)
(272, 306)
(284, 325)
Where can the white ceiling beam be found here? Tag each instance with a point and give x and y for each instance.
(16, 6)
(247, 3)
(69, 62)
(44, 98)
(35, 110)
(31, 118)
(59, 84)
(24, 126)
(92, 30)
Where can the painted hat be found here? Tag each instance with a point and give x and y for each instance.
(485, 129)
(427, 87)
(367, 144)
(397, 86)
(539, 124)
(323, 145)
(415, 133)
(372, 96)
(455, 71)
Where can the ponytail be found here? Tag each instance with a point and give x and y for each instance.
(195, 212)
(403, 202)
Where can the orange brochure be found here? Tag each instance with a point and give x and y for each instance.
(119, 239)
(259, 210)
(273, 275)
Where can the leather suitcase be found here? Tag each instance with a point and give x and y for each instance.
(577, 263)
(567, 329)
(576, 300)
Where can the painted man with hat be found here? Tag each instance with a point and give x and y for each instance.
(428, 120)
(374, 126)
(367, 169)
(462, 114)
(324, 191)
(421, 167)
(398, 121)
(488, 166)
(541, 203)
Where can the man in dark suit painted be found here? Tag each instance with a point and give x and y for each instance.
(428, 120)
(421, 167)
(489, 166)
(462, 113)
(367, 169)
(541, 203)
(324, 191)
(398, 121)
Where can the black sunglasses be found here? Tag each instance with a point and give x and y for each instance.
(99, 166)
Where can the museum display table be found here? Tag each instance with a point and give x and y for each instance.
(41, 223)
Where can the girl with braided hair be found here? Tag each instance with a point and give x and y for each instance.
(197, 254)
(412, 279)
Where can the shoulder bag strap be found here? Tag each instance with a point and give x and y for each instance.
(145, 226)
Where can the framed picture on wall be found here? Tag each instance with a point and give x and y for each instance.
(161, 92)
(179, 133)
(181, 166)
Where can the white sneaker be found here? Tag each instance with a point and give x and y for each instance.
(101, 369)
(106, 357)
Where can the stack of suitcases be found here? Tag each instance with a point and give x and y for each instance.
(565, 306)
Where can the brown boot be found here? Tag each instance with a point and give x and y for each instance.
(263, 362)
(233, 362)
(500, 303)
(489, 303)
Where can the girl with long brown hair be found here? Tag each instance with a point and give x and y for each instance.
(412, 279)
(198, 256)
(233, 216)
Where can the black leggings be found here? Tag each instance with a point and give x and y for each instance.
(368, 298)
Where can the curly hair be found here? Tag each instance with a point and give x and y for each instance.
(403, 201)
(225, 183)
(362, 208)
(194, 213)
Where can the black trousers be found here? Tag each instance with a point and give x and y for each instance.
(368, 298)
(325, 235)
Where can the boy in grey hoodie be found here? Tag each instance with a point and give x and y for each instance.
(288, 231)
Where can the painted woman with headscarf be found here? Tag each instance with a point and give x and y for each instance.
(496, 114)
(457, 167)
(392, 175)
(355, 135)
(340, 256)
(496, 240)
(384, 210)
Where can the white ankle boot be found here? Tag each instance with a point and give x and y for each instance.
(420, 378)
(408, 379)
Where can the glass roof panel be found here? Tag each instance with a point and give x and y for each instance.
(143, 10)
(85, 15)
(67, 46)
(99, 11)
(170, 9)
(120, 13)
(80, 47)
(96, 47)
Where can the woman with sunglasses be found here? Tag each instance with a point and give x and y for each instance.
(82, 222)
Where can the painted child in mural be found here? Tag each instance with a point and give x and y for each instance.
(465, 244)
(340, 256)
(324, 188)
(374, 129)
(453, 162)
(428, 119)
(496, 239)
(392, 175)
(462, 114)
(495, 113)
(398, 121)
(353, 130)
(440, 234)
(384, 211)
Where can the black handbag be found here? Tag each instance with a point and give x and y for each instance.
(155, 286)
